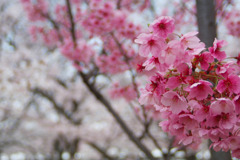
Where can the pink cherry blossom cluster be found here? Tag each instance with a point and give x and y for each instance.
(103, 17)
(36, 10)
(196, 90)
(100, 17)
(49, 36)
(232, 22)
(132, 5)
(81, 53)
(111, 64)
(127, 92)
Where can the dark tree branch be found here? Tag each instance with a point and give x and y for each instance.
(126, 59)
(100, 150)
(60, 109)
(168, 155)
(70, 14)
(117, 117)
(133, 75)
(61, 82)
(13, 143)
(54, 24)
(154, 140)
(18, 120)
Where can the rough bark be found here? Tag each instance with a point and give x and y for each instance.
(207, 27)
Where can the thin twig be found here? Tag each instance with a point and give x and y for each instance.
(100, 150)
(133, 76)
(154, 141)
(72, 29)
(55, 25)
(60, 109)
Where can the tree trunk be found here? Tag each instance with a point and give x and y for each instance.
(220, 155)
(206, 21)
(206, 18)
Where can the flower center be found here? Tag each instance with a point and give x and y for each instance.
(206, 109)
(151, 42)
(225, 116)
(200, 59)
(201, 87)
(175, 98)
(228, 83)
(153, 86)
(162, 26)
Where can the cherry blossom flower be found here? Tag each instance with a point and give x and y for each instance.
(222, 121)
(188, 120)
(162, 26)
(151, 63)
(228, 120)
(150, 43)
(222, 105)
(184, 69)
(236, 153)
(228, 68)
(174, 101)
(202, 113)
(232, 84)
(174, 82)
(146, 97)
(204, 59)
(169, 54)
(236, 101)
(200, 90)
(190, 40)
(216, 49)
